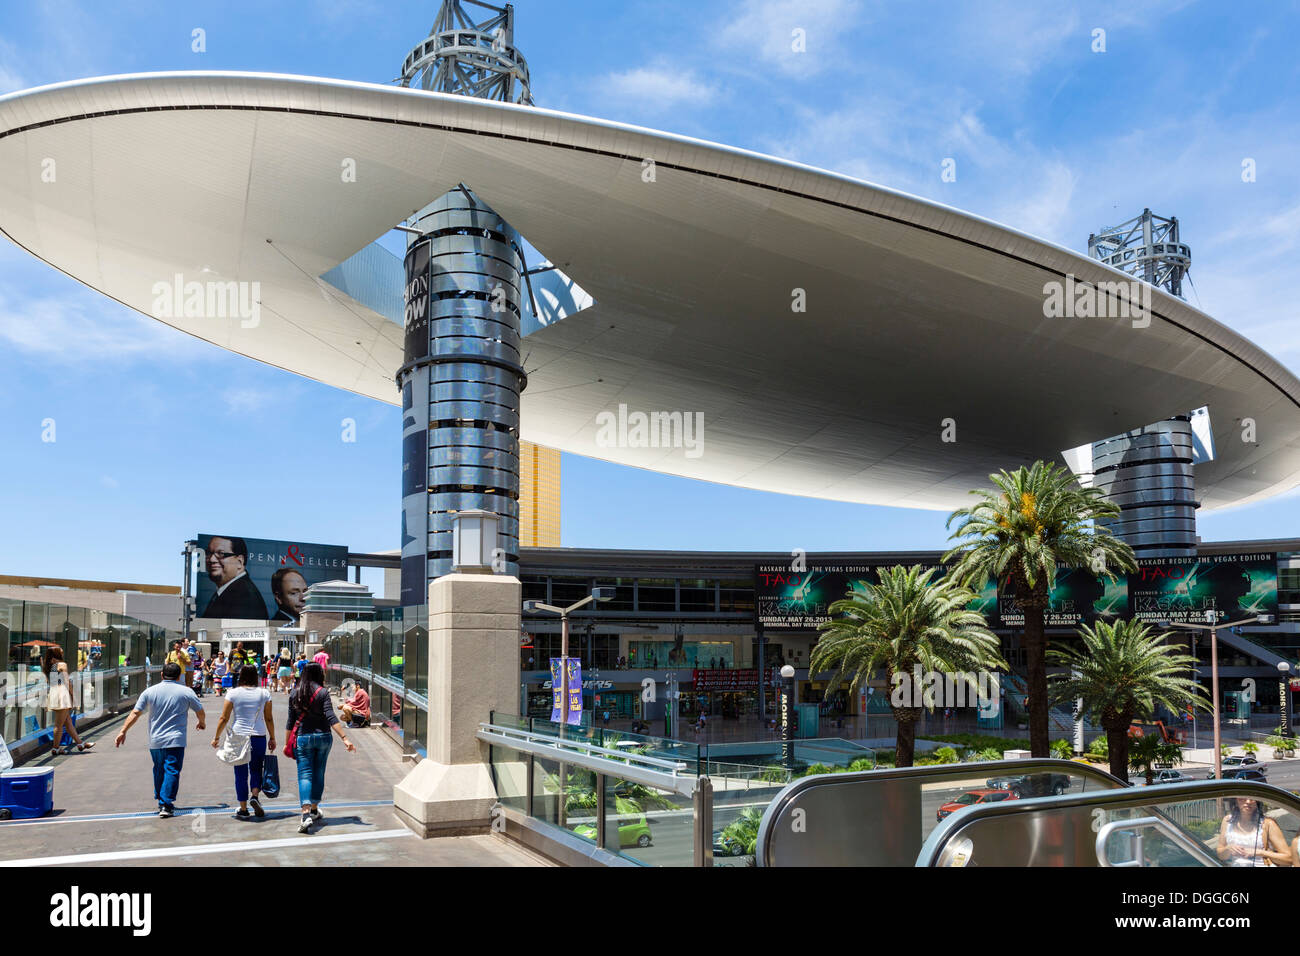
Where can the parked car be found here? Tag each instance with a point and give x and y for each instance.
(1031, 784)
(1245, 773)
(1165, 776)
(635, 832)
(972, 797)
(727, 846)
(1240, 760)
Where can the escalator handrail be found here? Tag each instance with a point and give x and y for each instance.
(1161, 823)
(934, 773)
(1118, 799)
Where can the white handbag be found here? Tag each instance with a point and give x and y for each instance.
(236, 749)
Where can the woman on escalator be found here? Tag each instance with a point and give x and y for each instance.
(1249, 838)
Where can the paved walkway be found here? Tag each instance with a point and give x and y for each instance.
(105, 815)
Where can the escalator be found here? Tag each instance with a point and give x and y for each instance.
(1053, 813)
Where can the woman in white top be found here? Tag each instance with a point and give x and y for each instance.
(250, 705)
(1248, 838)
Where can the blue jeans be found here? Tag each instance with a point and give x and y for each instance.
(311, 752)
(167, 762)
(252, 769)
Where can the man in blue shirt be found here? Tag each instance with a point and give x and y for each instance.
(168, 703)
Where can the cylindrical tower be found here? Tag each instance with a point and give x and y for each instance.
(460, 383)
(1148, 472)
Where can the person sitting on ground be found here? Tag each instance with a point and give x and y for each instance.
(356, 709)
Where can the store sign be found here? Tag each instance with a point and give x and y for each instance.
(587, 684)
(725, 680)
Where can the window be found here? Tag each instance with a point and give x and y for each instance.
(656, 594)
(698, 595)
(737, 597)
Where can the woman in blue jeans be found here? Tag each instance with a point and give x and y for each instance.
(250, 706)
(310, 703)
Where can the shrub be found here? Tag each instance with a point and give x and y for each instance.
(1100, 747)
(1063, 749)
(1250, 747)
(946, 755)
(989, 753)
(862, 763)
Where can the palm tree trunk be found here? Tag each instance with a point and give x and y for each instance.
(1036, 679)
(1117, 747)
(905, 742)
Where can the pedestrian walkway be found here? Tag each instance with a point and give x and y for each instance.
(105, 814)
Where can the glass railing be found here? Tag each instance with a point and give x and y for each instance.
(883, 817)
(106, 656)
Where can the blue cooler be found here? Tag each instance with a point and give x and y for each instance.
(26, 793)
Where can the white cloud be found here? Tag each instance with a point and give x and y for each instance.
(66, 329)
(659, 87)
(766, 29)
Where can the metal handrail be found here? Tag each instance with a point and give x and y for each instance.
(784, 803)
(634, 767)
(1142, 823)
(1119, 799)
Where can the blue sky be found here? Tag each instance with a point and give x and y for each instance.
(160, 436)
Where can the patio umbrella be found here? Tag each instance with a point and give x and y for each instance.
(38, 644)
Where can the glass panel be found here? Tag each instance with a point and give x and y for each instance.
(656, 594)
(651, 827)
(510, 774)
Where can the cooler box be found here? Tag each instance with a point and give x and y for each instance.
(228, 680)
(26, 792)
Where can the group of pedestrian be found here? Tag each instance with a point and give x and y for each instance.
(247, 712)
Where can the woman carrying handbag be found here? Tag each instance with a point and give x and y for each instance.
(311, 718)
(251, 734)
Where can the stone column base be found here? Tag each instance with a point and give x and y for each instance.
(438, 799)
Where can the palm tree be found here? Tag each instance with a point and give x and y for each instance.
(1147, 752)
(1122, 671)
(1031, 520)
(905, 621)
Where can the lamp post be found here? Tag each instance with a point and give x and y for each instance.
(532, 607)
(1210, 617)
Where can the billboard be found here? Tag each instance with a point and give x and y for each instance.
(259, 580)
(1162, 589)
(1079, 596)
(1183, 589)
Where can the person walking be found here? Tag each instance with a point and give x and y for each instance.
(312, 717)
(178, 655)
(250, 706)
(285, 670)
(167, 703)
(59, 701)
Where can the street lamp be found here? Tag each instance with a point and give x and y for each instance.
(1210, 617)
(533, 607)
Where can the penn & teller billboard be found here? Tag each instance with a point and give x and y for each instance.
(260, 580)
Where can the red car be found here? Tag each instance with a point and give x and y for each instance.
(971, 797)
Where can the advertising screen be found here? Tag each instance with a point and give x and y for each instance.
(259, 580)
(1162, 589)
(1183, 589)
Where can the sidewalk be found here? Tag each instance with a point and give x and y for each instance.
(105, 814)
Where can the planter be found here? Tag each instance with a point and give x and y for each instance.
(1290, 753)
(1278, 754)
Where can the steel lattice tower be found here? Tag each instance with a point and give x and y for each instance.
(1148, 247)
(470, 57)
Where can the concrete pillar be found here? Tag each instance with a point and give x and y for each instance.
(473, 671)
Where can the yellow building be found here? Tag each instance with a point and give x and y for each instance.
(539, 496)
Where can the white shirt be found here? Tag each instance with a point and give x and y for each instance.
(249, 710)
